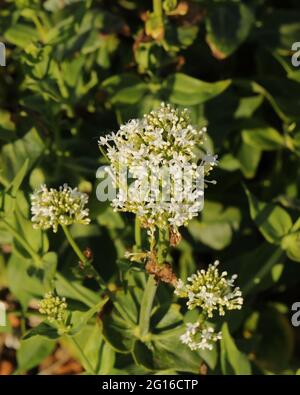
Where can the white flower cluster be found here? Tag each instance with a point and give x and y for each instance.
(54, 307)
(210, 291)
(52, 207)
(162, 140)
(199, 336)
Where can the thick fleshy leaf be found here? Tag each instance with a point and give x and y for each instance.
(227, 26)
(32, 351)
(272, 220)
(187, 91)
(232, 360)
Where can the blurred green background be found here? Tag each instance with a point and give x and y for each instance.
(76, 70)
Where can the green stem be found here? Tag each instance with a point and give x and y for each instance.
(157, 8)
(97, 277)
(146, 306)
(82, 354)
(74, 245)
(137, 234)
(82, 258)
(40, 28)
(37, 259)
(162, 246)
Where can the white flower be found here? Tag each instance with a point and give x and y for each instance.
(210, 291)
(52, 207)
(200, 336)
(163, 139)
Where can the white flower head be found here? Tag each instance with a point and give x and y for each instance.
(162, 153)
(200, 336)
(53, 207)
(210, 290)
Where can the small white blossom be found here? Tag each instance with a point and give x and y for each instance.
(210, 290)
(52, 207)
(200, 336)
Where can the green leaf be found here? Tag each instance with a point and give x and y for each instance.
(232, 360)
(167, 352)
(118, 333)
(216, 227)
(256, 268)
(24, 279)
(266, 138)
(274, 348)
(43, 329)
(125, 89)
(215, 235)
(110, 219)
(96, 350)
(291, 244)
(33, 351)
(21, 35)
(7, 127)
(282, 94)
(19, 177)
(160, 348)
(272, 220)
(166, 317)
(79, 319)
(247, 106)
(14, 155)
(227, 26)
(187, 91)
(126, 311)
(36, 238)
(279, 28)
(249, 158)
(147, 305)
(49, 266)
(72, 289)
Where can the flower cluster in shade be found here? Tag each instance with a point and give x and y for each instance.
(210, 291)
(199, 336)
(53, 207)
(53, 307)
(162, 139)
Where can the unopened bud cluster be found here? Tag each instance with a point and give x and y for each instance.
(53, 307)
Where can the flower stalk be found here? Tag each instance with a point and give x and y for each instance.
(162, 246)
(137, 234)
(157, 8)
(85, 261)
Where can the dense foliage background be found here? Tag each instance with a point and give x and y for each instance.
(75, 71)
